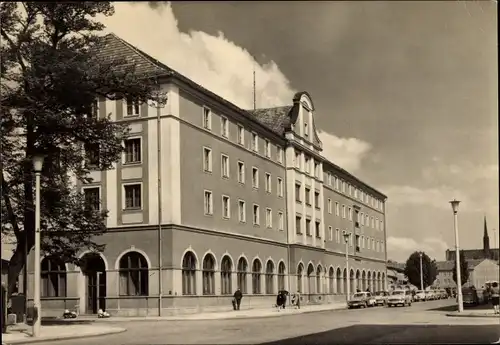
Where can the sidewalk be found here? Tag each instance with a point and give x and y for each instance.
(474, 313)
(22, 334)
(231, 314)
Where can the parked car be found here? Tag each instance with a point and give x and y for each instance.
(431, 295)
(420, 296)
(381, 297)
(361, 300)
(399, 297)
(469, 296)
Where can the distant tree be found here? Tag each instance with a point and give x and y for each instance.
(464, 270)
(412, 269)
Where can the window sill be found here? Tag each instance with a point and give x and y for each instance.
(132, 163)
(256, 225)
(225, 218)
(130, 116)
(132, 209)
(243, 221)
(224, 177)
(207, 171)
(209, 214)
(308, 235)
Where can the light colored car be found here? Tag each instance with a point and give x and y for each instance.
(399, 297)
(420, 296)
(361, 300)
(381, 297)
(431, 295)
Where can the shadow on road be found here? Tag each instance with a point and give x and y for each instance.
(399, 334)
(454, 307)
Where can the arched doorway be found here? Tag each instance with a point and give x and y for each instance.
(94, 271)
(310, 281)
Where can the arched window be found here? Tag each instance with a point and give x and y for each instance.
(53, 278)
(209, 275)
(346, 280)
(242, 274)
(134, 275)
(331, 277)
(310, 281)
(269, 277)
(339, 281)
(382, 286)
(318, 279)
(256, 272)
(226, 267)
(281, 276)
(369, 281)
(300, 272)
(189, 274)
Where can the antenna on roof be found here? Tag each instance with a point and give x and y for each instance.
(254, 93)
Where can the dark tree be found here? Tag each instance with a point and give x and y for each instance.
(464, 270)
(50, 79)
(412, 269)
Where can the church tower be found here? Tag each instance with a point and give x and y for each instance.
(486, 240)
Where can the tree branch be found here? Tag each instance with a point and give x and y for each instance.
(10, 210)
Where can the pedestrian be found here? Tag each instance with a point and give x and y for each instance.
(237, 299)
(495, 296)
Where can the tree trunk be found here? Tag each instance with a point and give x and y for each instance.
(16, 264)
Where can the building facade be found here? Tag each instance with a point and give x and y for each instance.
(480, 272)
(208, 198)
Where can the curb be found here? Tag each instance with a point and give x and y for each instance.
(472, 315)
(114, 330)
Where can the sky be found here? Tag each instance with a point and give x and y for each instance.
(405, 93)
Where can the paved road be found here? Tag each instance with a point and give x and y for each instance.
(415, 324)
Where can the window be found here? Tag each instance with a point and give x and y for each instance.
(350, 213)
(242, 214)
(362, 218)
(226, 204)
(92, 154)
(92, 198)
(134, 275)
(373, 243)
(381, 225)
(337, 235)
(268, 148)
(318, 229)
(307, 165)
(241, 172)
(351, 240)
(308, 227)
(316, 170)
(225, 166)
(255, 177)
(132, 196)
(368, 243)
(53, 277)
(224, 127)
(330, 206)
(281, 276)
(269, 277)
(306, 130)
(349, 188)
(268, 182)
(330, 233)
(337, 209)
(280, 155)
(343, 186)
(376, 223)
(355, 193)
(367, 220)
(308, 196)
(337, 183)
(256, 273)
(207, 159)
(297, 192)
(328, 178)
(255, 142)
(280, 187)
(242, 275)
(94, 109)
(225, 276)
(241, 136)
(133, 107)
(373, 223)
(297, 160)
(207, 118)
(298, 226)
(362, 241)
(208, 275)
(343, 211)
(208, 203)
(189, 274)
(133, 150)
(269, 218)
(357, 243)
(317, 204)
(256, 216)
(281, 221)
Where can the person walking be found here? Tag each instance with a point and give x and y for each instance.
(495, 297)
(237, 299)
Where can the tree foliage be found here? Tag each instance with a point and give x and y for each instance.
(412, 269)
(50, 78)
(464, 270)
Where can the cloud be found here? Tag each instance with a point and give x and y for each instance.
(438, 197)
(219, 65)
(466, 172)
(400, 248)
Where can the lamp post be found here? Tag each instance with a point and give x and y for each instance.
(37, 166)
(348, 277)
(454, 205)
(159, 101)
(421, 273)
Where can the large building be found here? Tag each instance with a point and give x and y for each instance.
(480, 272)
(209, 197)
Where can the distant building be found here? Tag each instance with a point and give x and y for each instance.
(480, 271)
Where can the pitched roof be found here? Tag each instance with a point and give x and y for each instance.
(445, 265)
(277, 118)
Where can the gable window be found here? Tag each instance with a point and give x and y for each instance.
(241, 135)
(207, 118)
(133, 196)
(255, 177)
(306, 130)
(133, 150)
(225, 166)
(207, 159)
(92, 198)
(133, 107)
(256, 216)
(281, 221)
(226, 211)
(297, 192)
(241, 172)
(208, 203)
(268, 182)
(269, 218)
(280, 155)
(280, 187)
(298, 226)
(255, 142)
(268, 148)
(242, 215)
(224, 127)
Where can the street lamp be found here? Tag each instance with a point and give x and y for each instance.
(348, 276)
(421, 273)
(454, 205)
(37, 319)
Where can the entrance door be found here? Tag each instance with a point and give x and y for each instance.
(93, 268)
